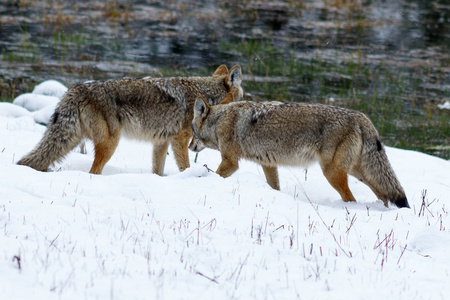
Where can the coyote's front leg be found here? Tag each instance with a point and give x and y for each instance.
(180, 149)
(228, 166)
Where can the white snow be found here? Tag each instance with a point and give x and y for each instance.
(11, 110)
(43, 115)
(34, 102)
(445, 105)
(41, 102)
(50, 88)
(130, 234)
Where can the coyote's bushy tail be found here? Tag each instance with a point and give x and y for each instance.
(379, 175)
(62, 135)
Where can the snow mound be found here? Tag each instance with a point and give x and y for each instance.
(43, 115)
(10, 110)
(50, 88)
(39, 105)
(35, 102)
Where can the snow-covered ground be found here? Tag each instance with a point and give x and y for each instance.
(129, 234)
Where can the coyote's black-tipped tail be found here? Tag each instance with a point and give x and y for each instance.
(401, 202)
(62, 135)
(379, 175)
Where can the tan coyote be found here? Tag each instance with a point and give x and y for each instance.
(343, 141)
(159, 110)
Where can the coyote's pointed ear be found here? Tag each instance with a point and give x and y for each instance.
(235, 76)
(201, 108)
(222, 70)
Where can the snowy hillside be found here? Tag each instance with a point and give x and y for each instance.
(129, 234)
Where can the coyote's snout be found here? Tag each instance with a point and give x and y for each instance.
(343, 141)
(159, 110)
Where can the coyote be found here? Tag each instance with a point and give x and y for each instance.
(342, 140)
(159, 110)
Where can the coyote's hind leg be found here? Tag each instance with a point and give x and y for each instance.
(159, 157)
(272, 176)
(103, 151)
